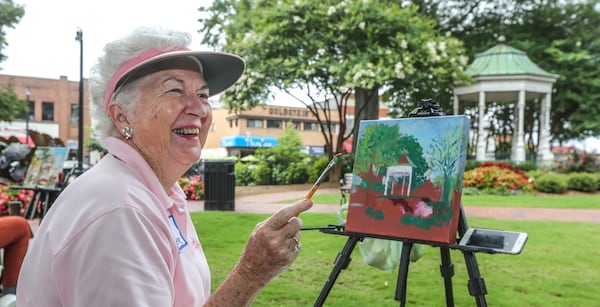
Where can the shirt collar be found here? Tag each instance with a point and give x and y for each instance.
(122, 151)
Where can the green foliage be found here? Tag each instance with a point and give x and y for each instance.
(347, 164)
(243, 173)
(262, 174)
(535, 175)
(552, 183)
(332, 48)
(284, 163)
(316, 168)
(10, 105)
(583, 182)
(10, 15)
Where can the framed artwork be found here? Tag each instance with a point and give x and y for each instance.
(45, 166)
(408, 176)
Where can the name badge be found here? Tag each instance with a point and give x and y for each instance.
(179, 239)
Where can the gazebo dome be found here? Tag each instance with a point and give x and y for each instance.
(505, 60)
(505, 74)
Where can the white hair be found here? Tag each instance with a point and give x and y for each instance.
(115, 54)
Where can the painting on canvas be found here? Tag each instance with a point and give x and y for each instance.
(407, 178)
(45, 166)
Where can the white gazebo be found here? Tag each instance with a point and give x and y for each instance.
(502, 74)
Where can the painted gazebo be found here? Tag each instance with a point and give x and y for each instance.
(502, 74)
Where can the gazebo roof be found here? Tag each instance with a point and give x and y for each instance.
(505, 60)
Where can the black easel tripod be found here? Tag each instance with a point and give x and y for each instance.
(476, 284)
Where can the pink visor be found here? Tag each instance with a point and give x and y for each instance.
(220, 70)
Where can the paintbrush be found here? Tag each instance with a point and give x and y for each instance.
(315, 186)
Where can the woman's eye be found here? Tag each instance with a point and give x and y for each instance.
(202, 95)
(176, 90)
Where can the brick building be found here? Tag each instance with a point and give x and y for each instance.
(54, 108)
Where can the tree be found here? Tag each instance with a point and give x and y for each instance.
(10, 14)
(10, 105)
(320, 52)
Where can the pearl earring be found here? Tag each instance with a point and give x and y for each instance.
(127, 132)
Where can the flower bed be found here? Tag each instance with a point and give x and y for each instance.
(8, 195)
(193, 187)
(497, 178)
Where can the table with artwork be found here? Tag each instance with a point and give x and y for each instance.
(43, 177)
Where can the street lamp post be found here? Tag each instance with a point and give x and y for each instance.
(27, 93)
(79, 169)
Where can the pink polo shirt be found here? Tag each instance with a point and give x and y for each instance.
(115, 238)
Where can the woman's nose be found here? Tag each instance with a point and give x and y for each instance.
(199, 107)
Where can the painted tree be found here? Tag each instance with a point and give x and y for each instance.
(382, 145)
(445, 153)
(320, 52)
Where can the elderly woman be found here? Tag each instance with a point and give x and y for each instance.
(120, 234)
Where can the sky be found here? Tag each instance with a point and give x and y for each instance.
(43, 43)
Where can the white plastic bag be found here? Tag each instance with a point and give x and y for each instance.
(380, 253)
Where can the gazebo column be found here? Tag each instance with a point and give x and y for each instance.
(456, 102)
(545, 156)
(481, 135)
(519, 141)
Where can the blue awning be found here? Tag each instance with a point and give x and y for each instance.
(248, 141)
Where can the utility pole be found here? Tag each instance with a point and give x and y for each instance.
(79, 169)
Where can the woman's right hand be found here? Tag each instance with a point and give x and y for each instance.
(272, 247)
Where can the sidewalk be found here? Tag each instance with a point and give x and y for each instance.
(268, 203)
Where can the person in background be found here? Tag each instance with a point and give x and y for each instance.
(14, 240)
(120, 234)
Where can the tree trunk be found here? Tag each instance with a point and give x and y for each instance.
(365, 107)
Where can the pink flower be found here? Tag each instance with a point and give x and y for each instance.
(423, 210)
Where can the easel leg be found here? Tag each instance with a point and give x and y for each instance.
(341, 262)
(447, 270)
(476, 283)
(403, 273)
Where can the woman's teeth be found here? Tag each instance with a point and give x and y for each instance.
(187, 131)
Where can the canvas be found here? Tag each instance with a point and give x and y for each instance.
(45, 166)
(407, 178)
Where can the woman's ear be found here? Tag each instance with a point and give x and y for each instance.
(118, 116)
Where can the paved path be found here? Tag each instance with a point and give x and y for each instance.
(267, 203)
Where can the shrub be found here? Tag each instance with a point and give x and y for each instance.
(497, 178)
(583, 182)
(597, 180)
(552, 183)
(243, 173)
(262, 174)
(535, 175)
(296, 173)
(316, 168)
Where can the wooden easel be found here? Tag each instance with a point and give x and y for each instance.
(476, 283)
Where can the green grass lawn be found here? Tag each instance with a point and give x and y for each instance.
(559, 266)
(582, 201)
